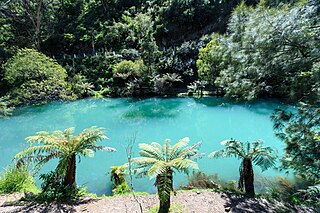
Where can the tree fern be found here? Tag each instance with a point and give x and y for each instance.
(264, 157)
(63, 145)
(160, 162)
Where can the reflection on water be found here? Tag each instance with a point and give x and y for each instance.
(210, 120)
(158, 108)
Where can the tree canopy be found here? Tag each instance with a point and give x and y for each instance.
(300, 131)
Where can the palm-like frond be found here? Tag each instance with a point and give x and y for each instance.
(62, 145)
(36, 150)
(234, 148)
(183, 164)
(188, 152)
(176, 147)
(264, 157)
(159, 167)
(153, 150)
(158, 159)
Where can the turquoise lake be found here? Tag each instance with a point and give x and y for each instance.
(209, 120)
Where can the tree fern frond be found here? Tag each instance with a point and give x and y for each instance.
(157, 168)
(188, 152)
(181, 143)
(265, 160)
(183, 164)
(151, 150)
(35, 150)
(144, 160)
(166, 150)
(87, 152)
(220, 154)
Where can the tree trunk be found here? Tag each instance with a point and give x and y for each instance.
(164, 185)
(248, 177)
(70, 178)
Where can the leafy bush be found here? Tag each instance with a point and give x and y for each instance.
(53, 189)
(17, 180)
(123, 188)
(129, 69)
(130, 78)
(120, 185)
(34, 78)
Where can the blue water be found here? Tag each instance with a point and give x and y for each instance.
(209, 120)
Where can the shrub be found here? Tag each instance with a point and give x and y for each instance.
(129, 69)
(17, 180)
(53, 189)
(120, 185)
(33, 78)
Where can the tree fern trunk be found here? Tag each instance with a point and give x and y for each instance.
(70, 178)
(248, 177)
(164, 185)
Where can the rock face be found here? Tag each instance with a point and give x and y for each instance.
(200, 201)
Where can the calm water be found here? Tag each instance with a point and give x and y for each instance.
(209, 120)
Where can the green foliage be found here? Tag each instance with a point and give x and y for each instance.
(129, 69)
(123, 188)
(17, 180)
(312, 196)
(295, 192)
(300, 133)
(181, 60)
(5, 108)
(267, 52)
(53, 189)
(33, 78)
(162, 84)
(208, 63)
(28, 64)
(131, 78)
(94, 68)
(120, 185)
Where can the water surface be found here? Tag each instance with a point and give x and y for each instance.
(209, 120)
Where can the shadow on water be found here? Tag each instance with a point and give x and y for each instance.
(153, 108)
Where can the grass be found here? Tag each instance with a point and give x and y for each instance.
(17, 180)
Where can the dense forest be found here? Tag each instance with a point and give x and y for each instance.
(69, 49)
(243, 50)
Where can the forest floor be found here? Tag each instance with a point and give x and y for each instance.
(191, 201)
